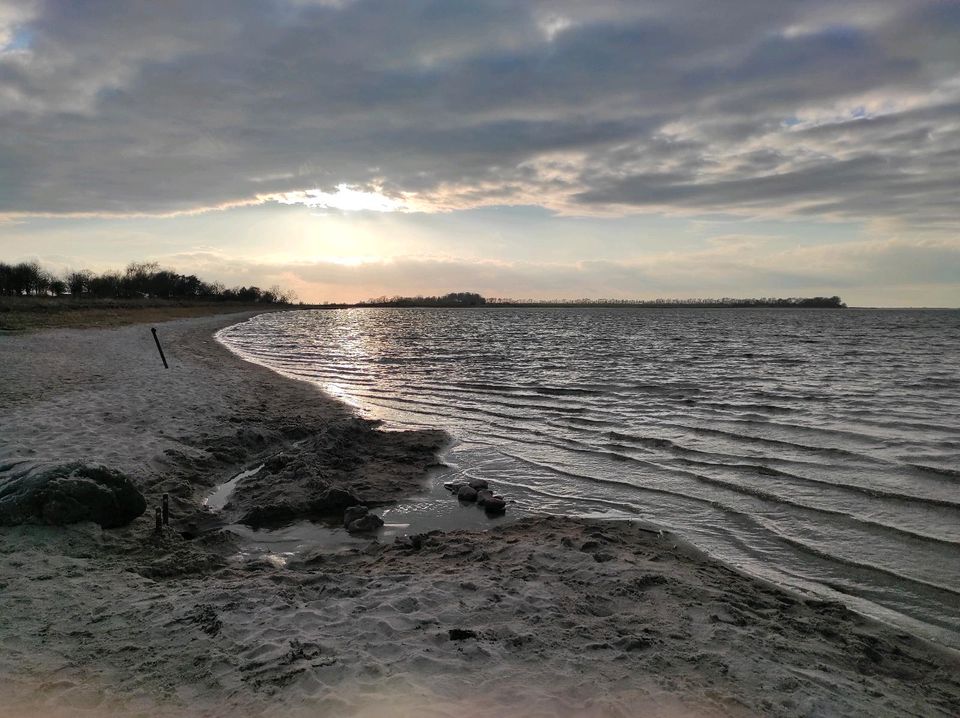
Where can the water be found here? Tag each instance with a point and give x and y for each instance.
(817, 449)
(219, 497)
(429, 510)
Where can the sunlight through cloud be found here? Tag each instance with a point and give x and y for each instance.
(347, 198)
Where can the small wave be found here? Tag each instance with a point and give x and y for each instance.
(566, 391)
(747, 406)
(651, 442)
(938, 470)
(780, 499)
(586, 421)
(863, 566)
(865, 490)
(821, 450)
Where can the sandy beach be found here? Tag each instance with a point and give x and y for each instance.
(542, 616)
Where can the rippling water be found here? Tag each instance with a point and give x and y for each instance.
(818, 449)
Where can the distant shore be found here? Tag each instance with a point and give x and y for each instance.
(470, 300)
(545, 616)
(32, 313)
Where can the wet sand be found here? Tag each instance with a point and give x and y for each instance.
(542, 616)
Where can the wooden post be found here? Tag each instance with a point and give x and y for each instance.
(166, 510)
(159, 348)
(159, 515)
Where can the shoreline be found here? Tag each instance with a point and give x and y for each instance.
(552, 615)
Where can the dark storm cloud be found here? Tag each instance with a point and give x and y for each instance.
(846, 108)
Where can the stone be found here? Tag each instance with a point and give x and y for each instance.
(353, 513)
(365, 524)
(461, 634)
(69, 494)
(495, 505)
(453, 486)
(478, 484)
(467, 493)
(334, 499)
(484, 495)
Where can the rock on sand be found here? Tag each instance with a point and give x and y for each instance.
(69, 494)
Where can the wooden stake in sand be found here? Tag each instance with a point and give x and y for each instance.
(159, 515)
(166, 510)
(159, 348)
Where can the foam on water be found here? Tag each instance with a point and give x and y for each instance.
(818, 449)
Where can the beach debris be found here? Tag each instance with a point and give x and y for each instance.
(68, 494)
(165, 506)
(461, 634)
(358, 519)
(453, 486)
(159, 348)
(159, 527)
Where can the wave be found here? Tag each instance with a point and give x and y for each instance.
(866, 491)
(953, 593)
(938, 470)
(737, 488)
(752, 518)
(821, 450)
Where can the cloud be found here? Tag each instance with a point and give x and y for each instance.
(346, 198)
(759, 109)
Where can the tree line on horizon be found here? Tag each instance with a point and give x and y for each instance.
(139, 280)
(472, 299)
(761, 302)
(453, 299)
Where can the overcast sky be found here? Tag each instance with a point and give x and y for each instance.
(350, 149)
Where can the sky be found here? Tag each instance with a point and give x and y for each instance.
(349, 149)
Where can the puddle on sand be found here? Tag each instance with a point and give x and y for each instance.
(280, 543)
(218, 499)
(434, 509)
